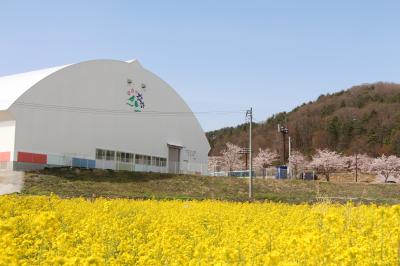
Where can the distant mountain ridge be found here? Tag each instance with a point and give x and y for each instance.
(364, 119)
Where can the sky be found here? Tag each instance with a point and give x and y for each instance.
(218, 55)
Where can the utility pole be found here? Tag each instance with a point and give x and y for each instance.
(284, 132)
(355, 120)
(249, 116)
(284, 148)
(245, 151)
(289, 151)
(356, 167)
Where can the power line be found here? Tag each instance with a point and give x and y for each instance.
(37, 106)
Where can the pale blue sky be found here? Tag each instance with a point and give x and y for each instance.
(218, 55)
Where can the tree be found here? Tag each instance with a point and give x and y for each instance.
(297, 161)
(264, 158)
(386, 167)
(231, 157)
(358, 163)
(214, 163)
(326, 162)
(334, 130)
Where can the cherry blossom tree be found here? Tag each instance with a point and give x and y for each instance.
(214, 163)
(386, 167)
(358, 163)
(231, 157)
(264, 159)
(297, 162)
(326, 162)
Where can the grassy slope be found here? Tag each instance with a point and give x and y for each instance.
(110, 184)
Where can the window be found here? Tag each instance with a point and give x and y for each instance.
(163, 162)
(100, 154)
(105, 155)
(143, 159)
(110, 155)
(125, 157)
(120, 156)
(147, 160)
(130, 157)
(157, 161)
(139, 159)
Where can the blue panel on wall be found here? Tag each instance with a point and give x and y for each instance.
(83, 163)
(91, 163)
(76, 162)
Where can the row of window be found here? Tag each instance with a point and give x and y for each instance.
(130, 158)
(105, 155)
(157, 161)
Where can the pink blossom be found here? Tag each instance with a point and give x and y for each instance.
(386, 167)
(264, 158)
(358, 163)
(231, 157)
(327, 162)
(214, 163)
(297, 162)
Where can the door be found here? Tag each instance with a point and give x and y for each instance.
(174, 156)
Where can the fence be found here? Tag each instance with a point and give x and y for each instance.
(6, 165)
(259, 173)
(84, 161)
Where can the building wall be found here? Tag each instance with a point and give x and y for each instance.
(7, 137)
(84, 106)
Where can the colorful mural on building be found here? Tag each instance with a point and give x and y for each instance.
(135, 97)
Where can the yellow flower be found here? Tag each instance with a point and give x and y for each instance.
(52, 231)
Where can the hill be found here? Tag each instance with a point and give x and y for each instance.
(66, 183)
(364, 118)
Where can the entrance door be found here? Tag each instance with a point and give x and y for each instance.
(174, 156)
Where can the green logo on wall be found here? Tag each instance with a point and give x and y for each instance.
(135, 99)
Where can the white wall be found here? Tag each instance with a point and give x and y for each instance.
(102, 85)
(7, 136)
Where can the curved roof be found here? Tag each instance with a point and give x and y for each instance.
(13, 86)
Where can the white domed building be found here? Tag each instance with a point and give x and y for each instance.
(98, 114)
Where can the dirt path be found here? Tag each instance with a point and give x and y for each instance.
(10, 181)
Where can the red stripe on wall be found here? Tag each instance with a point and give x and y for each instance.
(40, 158)
(5, 156)
(27, 157)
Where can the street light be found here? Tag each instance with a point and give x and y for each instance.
(284, 131)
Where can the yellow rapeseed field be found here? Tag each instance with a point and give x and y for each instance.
(51, 231)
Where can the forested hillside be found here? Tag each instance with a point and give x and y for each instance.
(364, 118)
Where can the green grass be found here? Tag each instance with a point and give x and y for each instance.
(66, 182)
